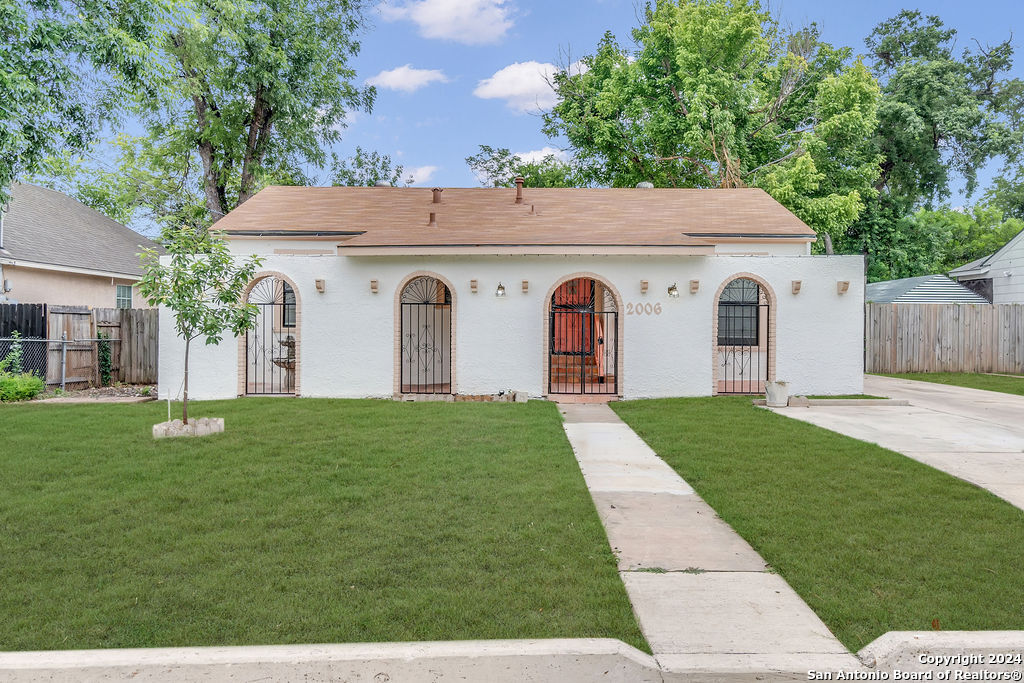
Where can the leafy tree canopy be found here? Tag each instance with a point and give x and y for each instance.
(63, 69)
(366, 169)
(499, 167)
(717, 95)
(941, 113)
(259, 88)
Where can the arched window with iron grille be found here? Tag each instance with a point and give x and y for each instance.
(743, 351)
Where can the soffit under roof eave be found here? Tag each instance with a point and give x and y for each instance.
(525, 250)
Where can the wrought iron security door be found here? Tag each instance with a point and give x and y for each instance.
(583, 348)
(271, 345)
(426, 335)
(743, 341)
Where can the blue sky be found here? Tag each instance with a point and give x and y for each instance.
(454, 74)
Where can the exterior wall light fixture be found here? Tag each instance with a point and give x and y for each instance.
(500, 291)
(673, 291)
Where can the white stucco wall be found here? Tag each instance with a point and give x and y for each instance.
(347, 335)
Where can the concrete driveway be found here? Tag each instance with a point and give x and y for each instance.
(975, 435)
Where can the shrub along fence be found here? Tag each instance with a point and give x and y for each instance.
(944, 338)
(62, 343)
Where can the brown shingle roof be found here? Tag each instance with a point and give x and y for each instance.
(389, 216)
(46, 226)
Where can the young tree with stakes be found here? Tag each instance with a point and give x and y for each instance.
(203, 286)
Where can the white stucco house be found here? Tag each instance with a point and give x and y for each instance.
(571, 294)
(999, 277)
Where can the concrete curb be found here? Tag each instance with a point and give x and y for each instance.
(831, 402)
(74, 400)
(946, 650)
(564, 659)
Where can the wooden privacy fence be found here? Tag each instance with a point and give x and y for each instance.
(71, 357)
(72, 364)
(134, 357)
(944, 338)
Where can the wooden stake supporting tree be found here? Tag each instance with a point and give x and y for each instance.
(203, 286)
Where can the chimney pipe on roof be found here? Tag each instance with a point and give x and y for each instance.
(433, 220)
(437, 194)
(519, 189)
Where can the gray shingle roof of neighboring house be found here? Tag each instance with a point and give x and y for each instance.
(926, 289)
(48, 227)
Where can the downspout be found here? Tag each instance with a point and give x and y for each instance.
(3, 282)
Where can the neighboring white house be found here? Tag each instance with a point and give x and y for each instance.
(574, 294)
(998, 277)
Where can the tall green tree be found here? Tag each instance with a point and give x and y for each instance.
(64, 70)
(942, 114)
(718, 95)
(258, 89)
(499, 167)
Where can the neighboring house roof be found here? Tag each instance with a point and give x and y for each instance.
(400, 217)
(927, 289)
(980, 267)
(44, 226)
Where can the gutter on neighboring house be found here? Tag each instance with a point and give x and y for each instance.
(6, 260)
(969, 274)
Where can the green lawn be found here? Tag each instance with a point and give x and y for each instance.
(974, 380)
(872, 540)
(309, 521)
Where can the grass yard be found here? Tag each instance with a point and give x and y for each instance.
(1013, 384)
(872, 540)
(308, 521)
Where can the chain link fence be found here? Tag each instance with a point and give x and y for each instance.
(28, 355)
(67, 363)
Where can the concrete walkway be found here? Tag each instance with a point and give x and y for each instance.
(703, 597)
(972, 434)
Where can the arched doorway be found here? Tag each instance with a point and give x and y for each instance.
(425, 337)
(272, 344)
(583, 338)
(744, 353)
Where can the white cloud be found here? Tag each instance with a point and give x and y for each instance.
(536, 155)
(471, 22)
(406, 78)
(419, 174)
(523, 86)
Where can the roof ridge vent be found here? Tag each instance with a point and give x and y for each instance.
(437, 195)
(645, 185)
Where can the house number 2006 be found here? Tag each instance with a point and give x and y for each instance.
(643, 309)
